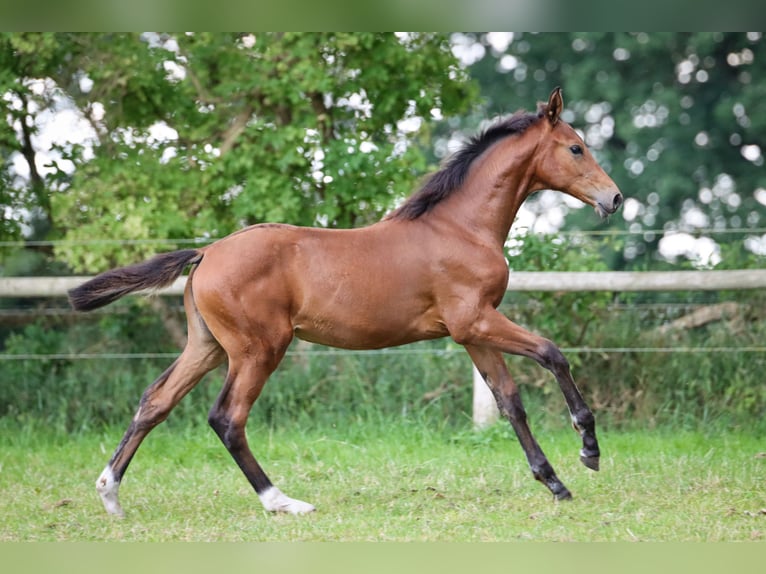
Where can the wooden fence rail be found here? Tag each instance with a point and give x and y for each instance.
(519, 281)
(484, 409)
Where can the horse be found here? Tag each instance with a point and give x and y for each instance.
(433, 267)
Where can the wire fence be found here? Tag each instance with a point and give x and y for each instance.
(25, 313)
(563, 233)
(379, 352)
(35, 310)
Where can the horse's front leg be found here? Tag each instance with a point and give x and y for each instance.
(583, 420)
(492, 329)
(491, 365)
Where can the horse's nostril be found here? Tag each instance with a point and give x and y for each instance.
(617, 201)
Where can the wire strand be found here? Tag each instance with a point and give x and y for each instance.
(20, 312)
(206, 240)
(393, 352)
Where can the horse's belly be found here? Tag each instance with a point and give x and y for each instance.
(358, 330)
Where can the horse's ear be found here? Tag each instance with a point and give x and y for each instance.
(554, 106)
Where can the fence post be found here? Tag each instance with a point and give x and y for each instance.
(485, 410)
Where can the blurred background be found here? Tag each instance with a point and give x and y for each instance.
(118, 146)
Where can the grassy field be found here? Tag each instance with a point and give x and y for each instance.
(381, 482)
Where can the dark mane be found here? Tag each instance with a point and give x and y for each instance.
(450, 177)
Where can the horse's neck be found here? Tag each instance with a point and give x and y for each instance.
(492, 194)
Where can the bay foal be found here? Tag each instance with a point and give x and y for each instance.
(432, 268)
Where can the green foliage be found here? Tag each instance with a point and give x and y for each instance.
(306, 128)
(608, 341)
(78, 394)
(632, 384)
(564, 317)
(676, 118)
(310, 387)
(713, 383)
(300, 128)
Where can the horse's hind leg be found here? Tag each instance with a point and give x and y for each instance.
(201, 355)
(248, 373)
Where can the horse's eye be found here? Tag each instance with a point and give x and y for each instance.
(576, 149)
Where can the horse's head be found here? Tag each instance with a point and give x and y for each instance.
(567, 165)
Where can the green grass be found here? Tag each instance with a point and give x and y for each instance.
(403, 482)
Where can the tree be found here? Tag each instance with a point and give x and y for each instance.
(677, 118)
(196, 135)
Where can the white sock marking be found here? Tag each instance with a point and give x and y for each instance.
(108, 488)
(274, 500)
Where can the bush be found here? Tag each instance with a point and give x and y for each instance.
(428, 380)
(313, 384)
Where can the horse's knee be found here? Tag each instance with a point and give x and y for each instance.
(551, 357)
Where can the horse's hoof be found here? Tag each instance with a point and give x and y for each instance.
(274, 500)
(590, 461)
(563, 494)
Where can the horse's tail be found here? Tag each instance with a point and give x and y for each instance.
(154, 273)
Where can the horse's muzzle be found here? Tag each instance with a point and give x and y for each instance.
(608, 207)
